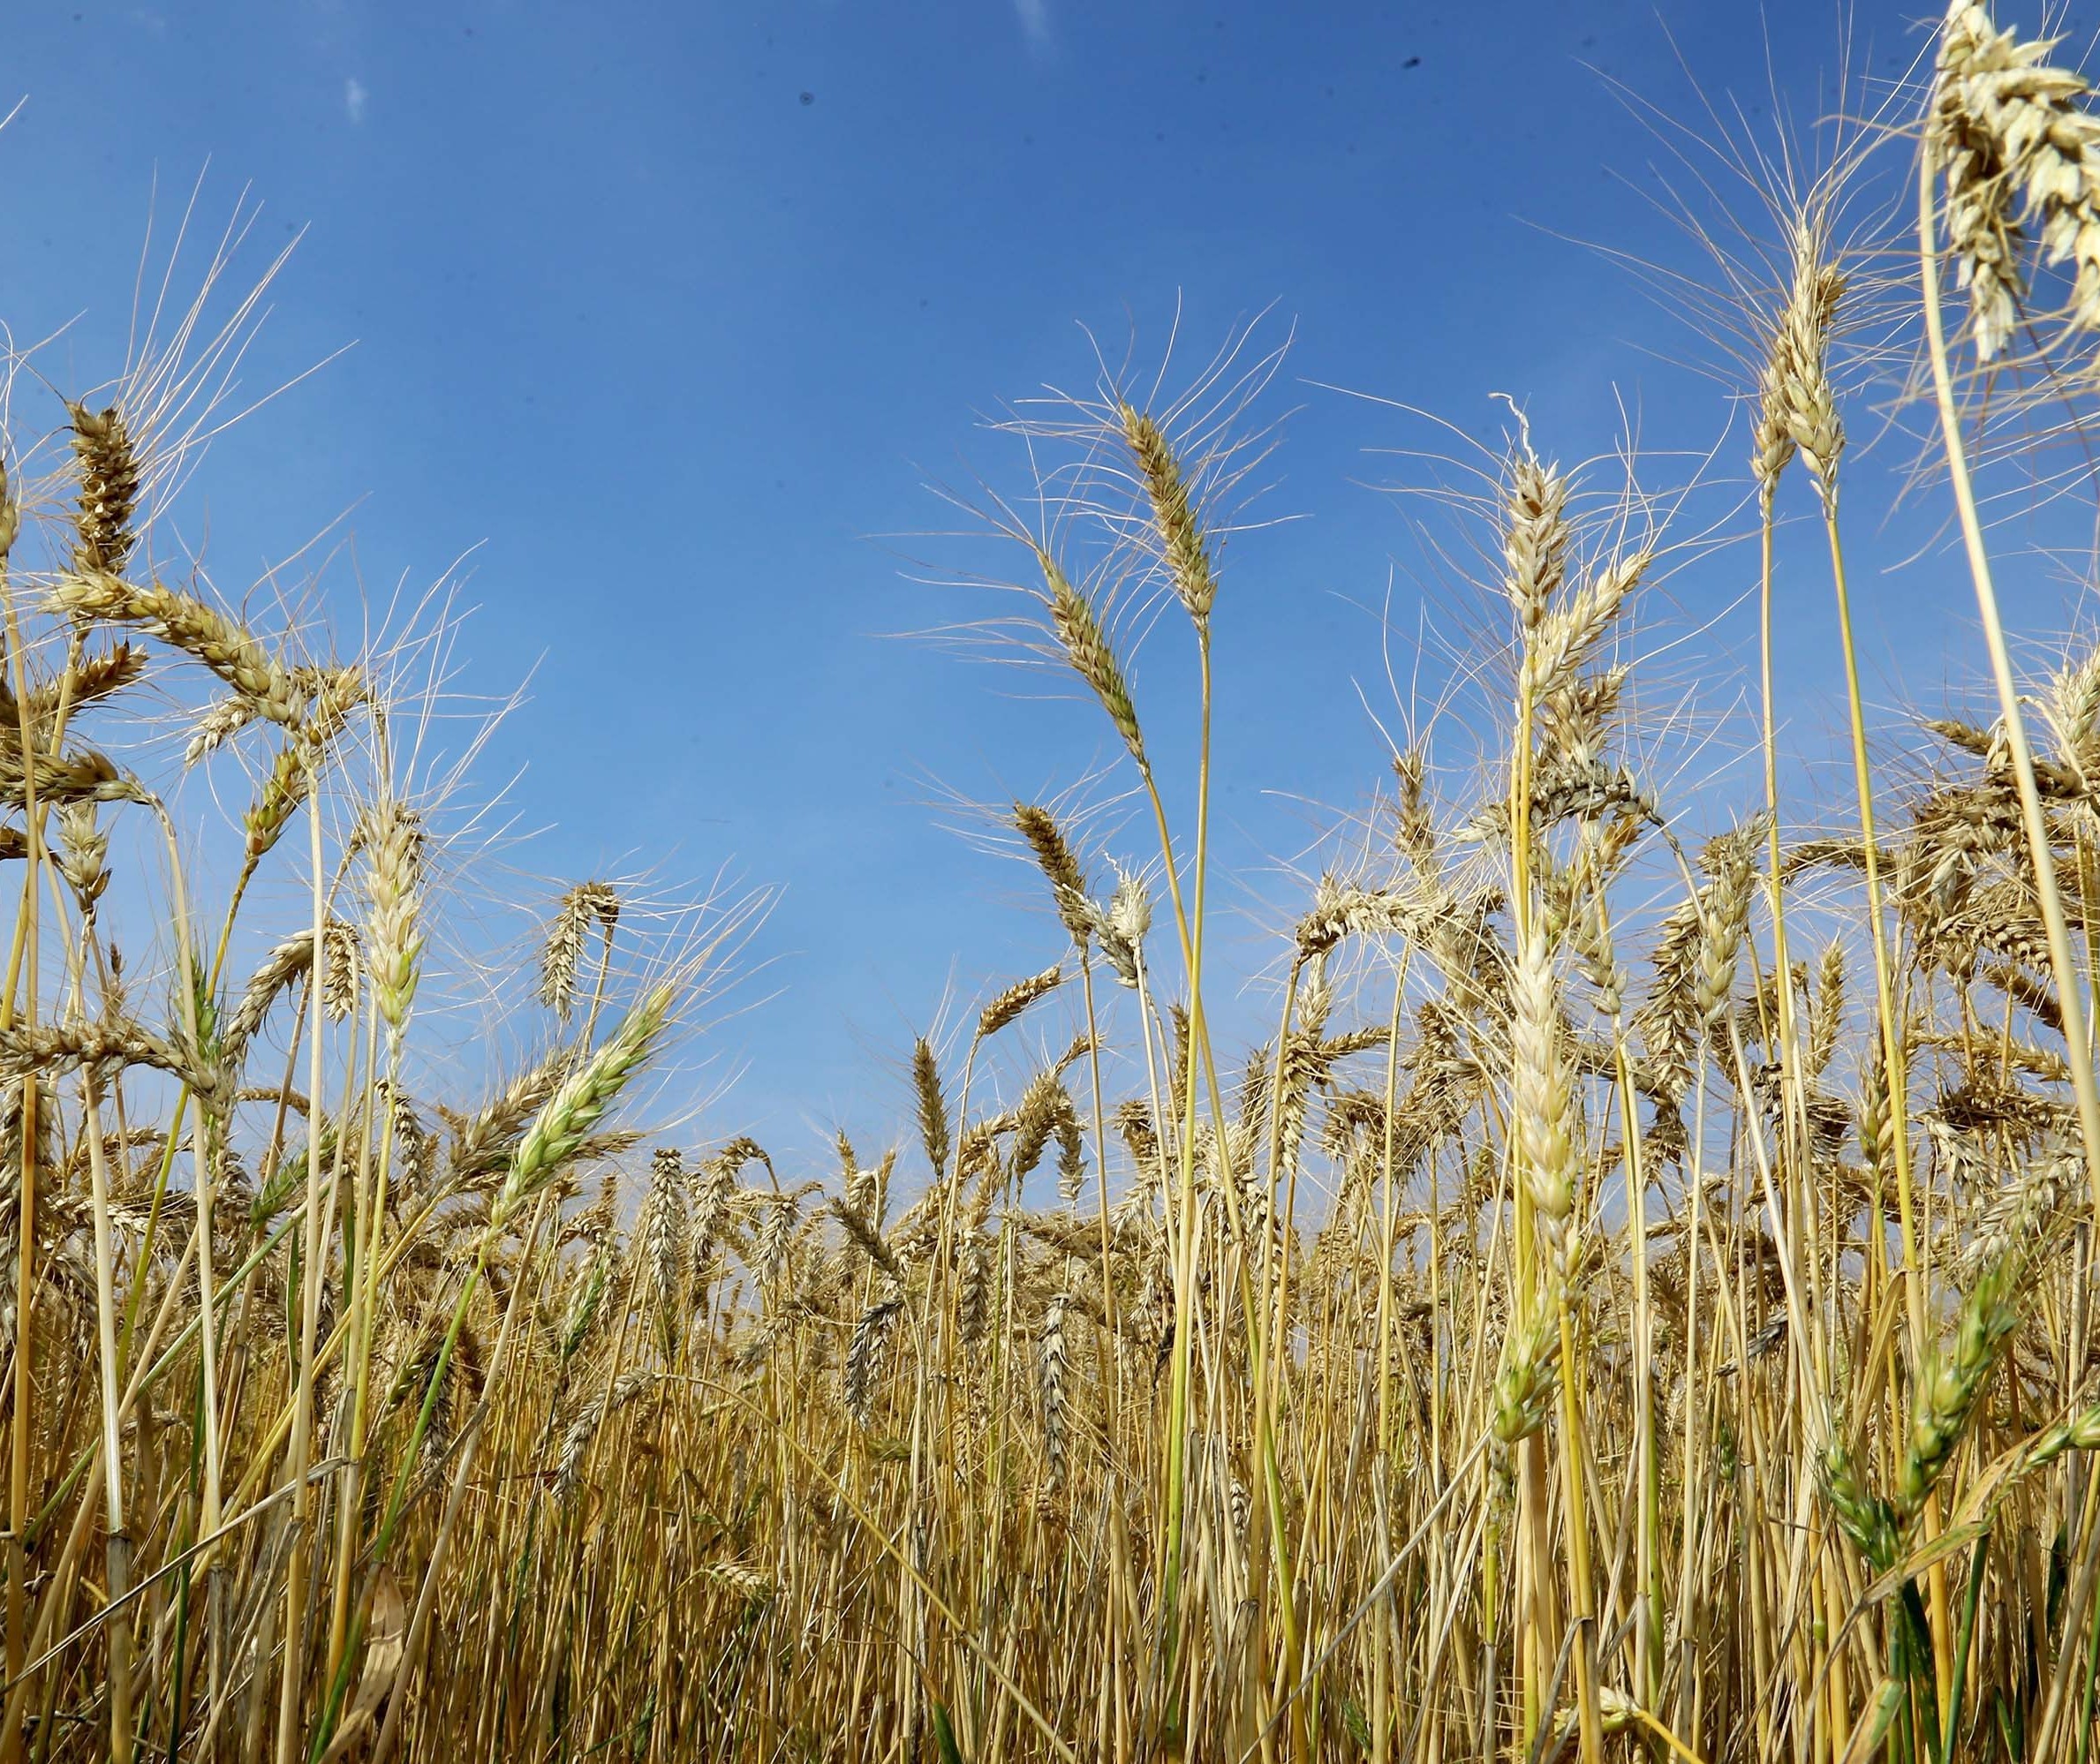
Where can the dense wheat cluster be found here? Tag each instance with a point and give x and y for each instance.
(1637, 1301)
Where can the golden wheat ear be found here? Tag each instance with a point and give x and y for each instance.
(109, 494)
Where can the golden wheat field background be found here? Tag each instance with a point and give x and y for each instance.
(1635, 1299)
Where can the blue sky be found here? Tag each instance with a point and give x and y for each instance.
(672, 310)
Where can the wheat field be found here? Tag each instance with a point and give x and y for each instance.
(1636, 1301)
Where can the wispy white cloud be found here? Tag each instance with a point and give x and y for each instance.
(353, 99)
(1035, 21)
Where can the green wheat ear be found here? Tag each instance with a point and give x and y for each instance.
(562, 1124)
(1953, 1375)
